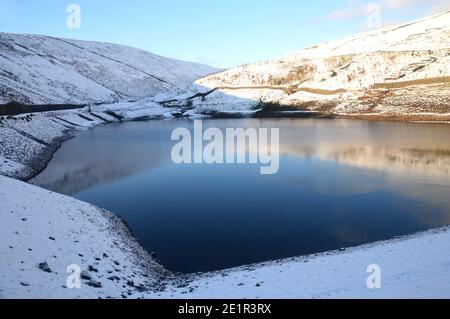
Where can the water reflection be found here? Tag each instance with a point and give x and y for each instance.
(341, 183)
(103, 155)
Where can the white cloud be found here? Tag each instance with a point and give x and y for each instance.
(440, 6)
(401, 4)
(355, 8)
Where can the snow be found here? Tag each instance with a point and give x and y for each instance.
(143, 109)
(417, 266)
(27, 141)
(41, 229)
(46, 70)
(414, 267)
(401, 37)
(11, 168)
(416, 51)
(38, 226)
(17, 147)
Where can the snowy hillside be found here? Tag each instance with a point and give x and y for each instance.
(410, 51)
(402, 69)
(43, 233)
(46, 70)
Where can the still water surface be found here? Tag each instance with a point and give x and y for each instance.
(340, 184)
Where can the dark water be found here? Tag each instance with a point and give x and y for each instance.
(341, 183)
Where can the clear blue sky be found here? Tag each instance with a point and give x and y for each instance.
(218, 32)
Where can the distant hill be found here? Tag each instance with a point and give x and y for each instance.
(45, 70)
(401, 69)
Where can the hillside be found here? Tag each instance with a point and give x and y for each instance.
(46, 70)
(397, 70)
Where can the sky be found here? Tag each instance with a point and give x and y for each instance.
(221, 33)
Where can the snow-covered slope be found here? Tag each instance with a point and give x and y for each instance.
(46, 70)
(387, 68)
(27, 141)
(355, 62)
(42, 233)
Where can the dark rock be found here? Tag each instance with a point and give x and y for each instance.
(45, 267)
(114, 278)
(25, 284)
(141, 288)
(85, 275)
(92, 269)
(94, 284)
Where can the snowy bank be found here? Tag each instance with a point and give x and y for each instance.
(413, 267)
(28, 141)
(42, 233)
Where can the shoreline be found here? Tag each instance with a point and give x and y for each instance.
(316, 276)
(139, 275)
(73, 121)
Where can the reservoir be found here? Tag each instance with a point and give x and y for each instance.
(340, 183)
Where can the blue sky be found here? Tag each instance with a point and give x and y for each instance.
(218, 32)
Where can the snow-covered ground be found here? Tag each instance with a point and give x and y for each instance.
(414, 267)
(46, 70)
(42, 233)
